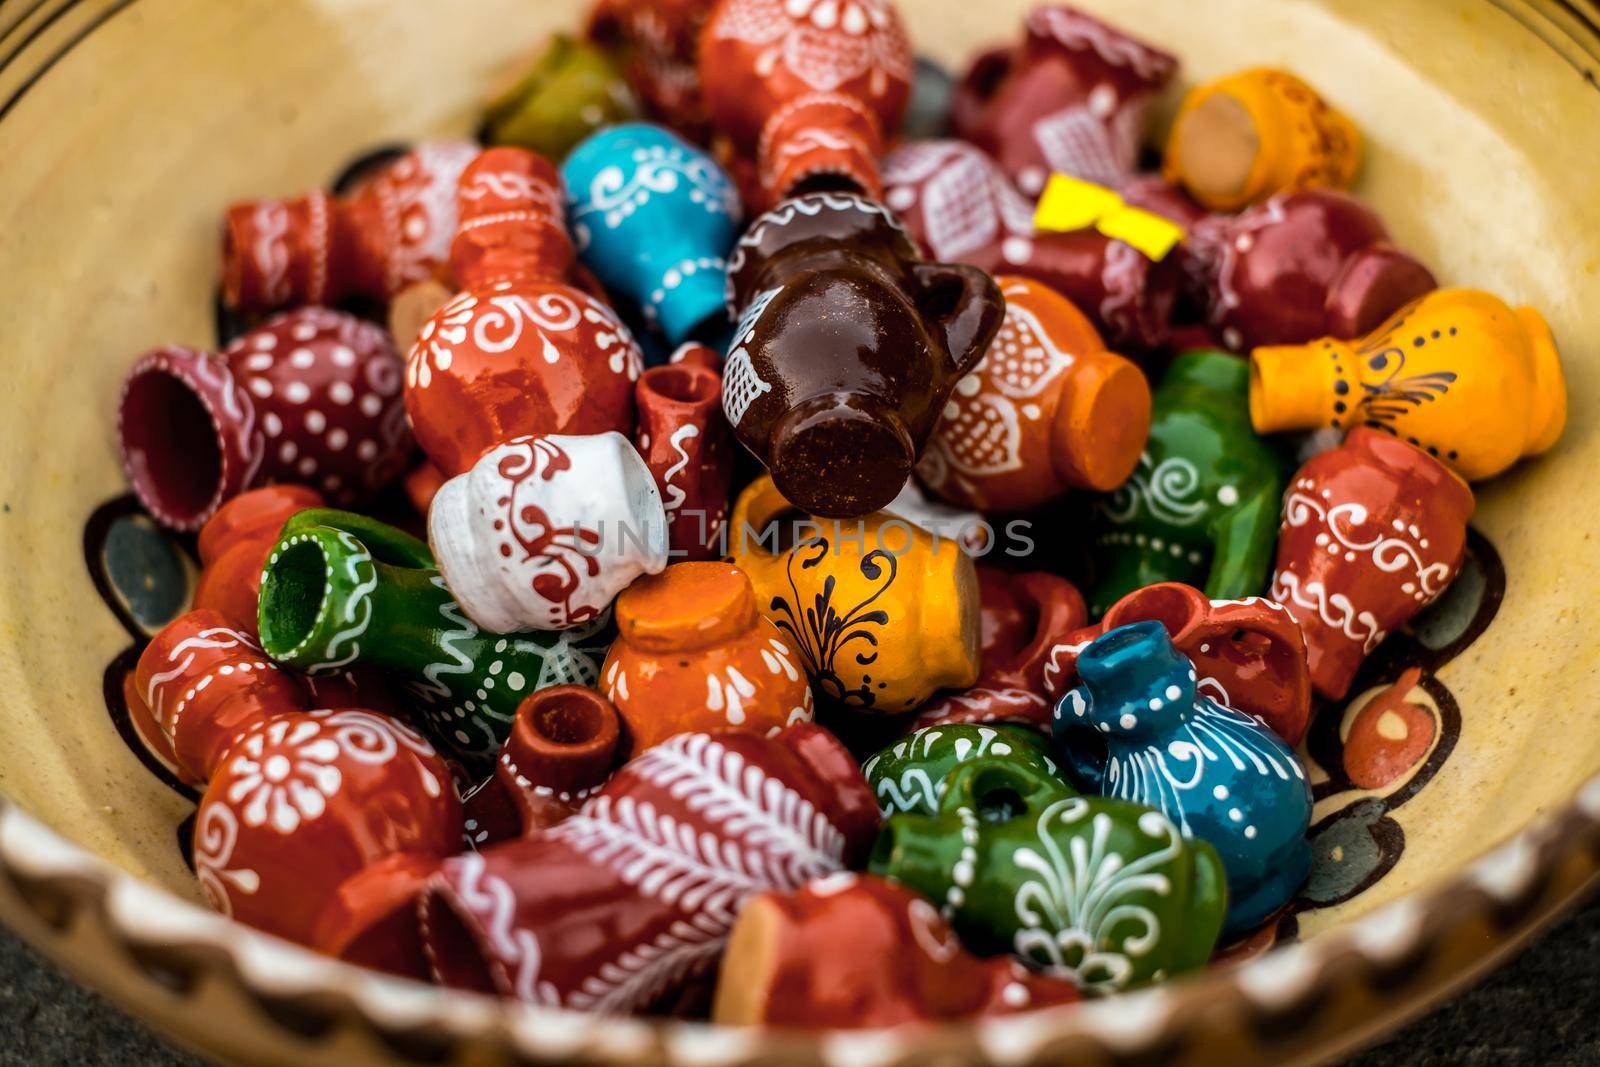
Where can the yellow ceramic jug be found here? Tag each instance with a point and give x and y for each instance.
(1458, 373)
(1240, 139)
(885, 614)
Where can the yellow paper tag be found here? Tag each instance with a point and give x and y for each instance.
(1070, 203)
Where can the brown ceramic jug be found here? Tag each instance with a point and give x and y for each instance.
(847, 348)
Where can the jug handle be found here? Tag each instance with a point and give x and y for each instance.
(964, 305)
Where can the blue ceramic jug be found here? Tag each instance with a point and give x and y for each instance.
(654, 217)
(1136, 729)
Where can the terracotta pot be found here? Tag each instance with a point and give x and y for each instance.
(1458, 373)
(846, 349)
(234, 545)
(657, 864)
(544, 531)
(1137, 728)
(852, 951)
(1300, 266)
(341, 590)
(564, 743)
(693, 654)
(313, 821)
(962, 207)
(572, 89)
(393, 229)
(1242, 138)
(1071, 98)
(1023, 617)
(1372, 533)
(684, 440)
(883, 616)
(311, 397)
(519, 350)
(807, 91)
(654, 218)
(1047, 409)
(1249, 654)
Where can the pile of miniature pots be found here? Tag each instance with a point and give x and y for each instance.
(758, 683)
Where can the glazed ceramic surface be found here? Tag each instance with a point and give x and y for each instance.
(256, 99)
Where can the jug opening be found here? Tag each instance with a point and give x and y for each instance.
(173, 447)
(292, 597)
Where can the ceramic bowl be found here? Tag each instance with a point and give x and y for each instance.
(127, 125)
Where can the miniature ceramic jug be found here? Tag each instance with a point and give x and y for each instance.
(339, 589)
(1249, 654)
(1047, 409)
(1138, 729)
(1022, 617)
(909, 776)
(882, 617)
(519, 350)
(808, 91)
(623, 904)
(544, 531)
(563, 745)
(1070, 98)
(1458, 373)
(850, 951)
(684, 440)
(692, 653)
(654, 218)
(311, 397)
(1300, 266)
(1010, 856)
(1373, 532)
(1202, 505)
(571, 90)
(962, 208)
(234, 545)
(847, 347)
(1242, 138)
(311, 817)
(393, 229)
(659, 42)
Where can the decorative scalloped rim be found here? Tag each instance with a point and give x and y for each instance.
(1506, 888)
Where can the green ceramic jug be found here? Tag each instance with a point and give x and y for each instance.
(1202, 506)
(1102, 892)
(908, 777)
(340, 589)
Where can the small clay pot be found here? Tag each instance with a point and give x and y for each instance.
(684, 440)
(310, 397)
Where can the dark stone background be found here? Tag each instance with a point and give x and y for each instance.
(1537, 1010)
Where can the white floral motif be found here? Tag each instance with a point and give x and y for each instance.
(1077, 920)
(614, 193)
(802, 35)
(418, 201)
(283, 774)
(495, 324)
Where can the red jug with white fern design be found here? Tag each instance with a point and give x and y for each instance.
(631, 899)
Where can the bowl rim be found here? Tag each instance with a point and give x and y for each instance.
(1298, 1002)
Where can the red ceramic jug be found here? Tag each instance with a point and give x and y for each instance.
(1373, 531)
(310, 397)
(684, 439)
(391, 231)
(806, 91)
(1070, 98)
(1248, 653)
(519, 350)
(617, 908)
(316, 825)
